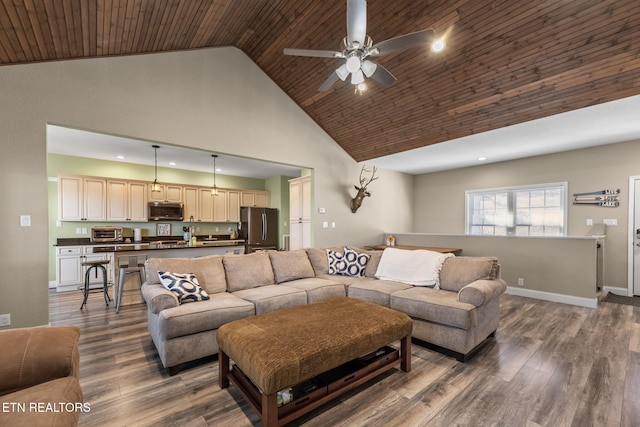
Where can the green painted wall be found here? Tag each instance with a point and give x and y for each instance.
(278, 186)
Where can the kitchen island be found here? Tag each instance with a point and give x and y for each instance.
(71, 252)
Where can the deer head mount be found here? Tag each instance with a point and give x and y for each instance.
(356, 202)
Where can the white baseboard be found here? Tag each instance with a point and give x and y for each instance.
(624, 292)
(52, 284)
(549, 296)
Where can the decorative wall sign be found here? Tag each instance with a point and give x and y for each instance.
(163, 229)
(605, 198)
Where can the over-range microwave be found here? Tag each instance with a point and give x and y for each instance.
(166, 211)
(106, 233)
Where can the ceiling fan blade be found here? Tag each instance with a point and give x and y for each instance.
(314, 53)
(329, 82)
(408, 41)
(356, 21)
(383, 76)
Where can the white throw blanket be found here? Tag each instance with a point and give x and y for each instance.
(414, 267)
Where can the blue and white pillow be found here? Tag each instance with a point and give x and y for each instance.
(348, 263)
(185, 286)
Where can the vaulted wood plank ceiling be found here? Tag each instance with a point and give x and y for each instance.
(506, 62)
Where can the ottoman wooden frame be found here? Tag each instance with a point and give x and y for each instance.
(281, 349)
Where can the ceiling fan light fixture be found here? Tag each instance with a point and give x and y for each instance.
(368, 68)
(342, 72)
(357, 77)
(353, 64)
(438, 45)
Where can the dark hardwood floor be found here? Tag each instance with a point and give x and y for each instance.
(550, 364)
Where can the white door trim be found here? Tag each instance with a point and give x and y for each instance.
(633, 180)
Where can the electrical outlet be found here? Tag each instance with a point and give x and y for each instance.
(5, 319)
(520, 281)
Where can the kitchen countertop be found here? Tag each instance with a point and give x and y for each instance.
(127, 247)
(149, 245)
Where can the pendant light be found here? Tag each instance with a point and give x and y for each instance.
(155, 186)
(214, 189)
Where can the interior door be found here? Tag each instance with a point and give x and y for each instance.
(635, 188)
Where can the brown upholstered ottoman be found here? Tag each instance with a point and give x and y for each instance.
(284, 348)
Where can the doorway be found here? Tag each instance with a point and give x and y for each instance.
(634, 236)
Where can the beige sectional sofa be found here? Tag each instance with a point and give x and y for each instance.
(456, 318)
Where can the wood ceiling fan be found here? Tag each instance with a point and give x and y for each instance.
(357, 47)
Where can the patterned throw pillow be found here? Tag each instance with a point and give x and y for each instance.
(348, 263)
(185, 286)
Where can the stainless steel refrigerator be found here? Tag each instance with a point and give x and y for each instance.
(258, 228)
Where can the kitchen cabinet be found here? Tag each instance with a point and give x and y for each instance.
(300, 213)
(81, 198)
(233, 206)
(220, 204)
(205, 205)
(126, 201)
(257, 198)
(167, 193)
(69, 270)
(190, 197)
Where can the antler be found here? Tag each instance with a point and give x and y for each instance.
(363, 181)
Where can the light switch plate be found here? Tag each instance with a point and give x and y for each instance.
(25, 220)
(611, 222)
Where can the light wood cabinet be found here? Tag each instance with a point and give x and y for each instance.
(167, 193)
(205, 205)
(190, 197)
(300, 213)
(257, 198)
(69, 269)
(126, 201)
(233, 206)
(82, 198)
(220, 204)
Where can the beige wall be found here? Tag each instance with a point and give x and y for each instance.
(550, 267)
(212, 99)
(585, 170)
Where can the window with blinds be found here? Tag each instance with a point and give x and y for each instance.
(537, 210)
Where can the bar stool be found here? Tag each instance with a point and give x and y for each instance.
(97, 265)
(127, 265)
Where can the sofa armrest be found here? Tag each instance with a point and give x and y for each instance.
(482, 291)
(32, 356)
(158, 297)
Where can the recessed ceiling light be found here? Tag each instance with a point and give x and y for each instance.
(172, 163)
(481, 159)
(120, 157)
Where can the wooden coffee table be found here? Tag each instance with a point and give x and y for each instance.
(320, 350)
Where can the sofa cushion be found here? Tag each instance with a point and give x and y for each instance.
(319, 289)
(207, 315)
(374, 261)
(185, 286)
(208, 269)
(434, 305)
(347, 263)
(458, 272)
(273, 297)
(318, 258)
(374, 290)
(248, 271)
(290, 265)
